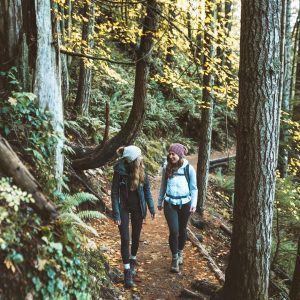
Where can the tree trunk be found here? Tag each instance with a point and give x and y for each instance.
(295, 288)
(47, 82)
(295, 37)
(205, 129)
(28, 42)
(82, 102)
(63, 59)
(296, 98)
(285, 86)
(12, 167)
(13, 40)
(247, 274)
(101, 155)
(171, 37)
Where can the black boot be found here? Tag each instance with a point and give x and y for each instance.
(128, 281)
(132, 266)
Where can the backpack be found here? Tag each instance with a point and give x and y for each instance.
(186, 174)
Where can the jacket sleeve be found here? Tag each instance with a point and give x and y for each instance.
(193, 186)
(115, 197)
(148, 196)
(163, 187)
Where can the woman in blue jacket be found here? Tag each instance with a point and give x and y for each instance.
(130, 195)
(178, 197)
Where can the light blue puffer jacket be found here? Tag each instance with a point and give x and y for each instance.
(176, 189)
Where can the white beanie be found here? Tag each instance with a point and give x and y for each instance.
(131, 153)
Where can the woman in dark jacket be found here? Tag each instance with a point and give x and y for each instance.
(130, 195)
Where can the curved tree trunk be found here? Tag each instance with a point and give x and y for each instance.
(205, 129)
(101, 155)
(247, 274)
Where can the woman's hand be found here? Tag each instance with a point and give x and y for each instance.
(117, 222)
(192, 209)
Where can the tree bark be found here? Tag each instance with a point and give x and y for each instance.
(63, 59)
(101, 155)
(285, 86)
(14, 41)
(12, 167)
(47, 81)
(82, 101)
(205, 129)
(171, 37)
(247, 274)
(295, 288)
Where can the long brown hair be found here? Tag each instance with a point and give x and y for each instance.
(172, 168)
(136, 170)
(137, 173)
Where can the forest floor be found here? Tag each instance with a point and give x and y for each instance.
(154, 280)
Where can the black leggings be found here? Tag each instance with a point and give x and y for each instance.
(177, 219)
(136, 225)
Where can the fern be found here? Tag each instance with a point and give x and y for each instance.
(70, 218)
(90, 214)
(69, 215)
(76, 199)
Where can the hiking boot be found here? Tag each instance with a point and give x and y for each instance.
(128, 281)
(174, 265)
(180, 257)
(132, 266)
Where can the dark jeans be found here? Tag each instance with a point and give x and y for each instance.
(177, 219)
(132, 212)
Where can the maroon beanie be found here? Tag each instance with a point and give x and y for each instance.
(179, 149)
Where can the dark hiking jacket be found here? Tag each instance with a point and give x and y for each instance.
(120, 188)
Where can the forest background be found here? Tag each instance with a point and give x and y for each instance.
(81, 78)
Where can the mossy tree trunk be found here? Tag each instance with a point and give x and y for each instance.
(29, 41)
(247, 274)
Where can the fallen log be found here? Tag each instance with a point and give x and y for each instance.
(226, 229)
(205, 287)
(211, 263)
(190, 294)
(220, 162)
(11, 166)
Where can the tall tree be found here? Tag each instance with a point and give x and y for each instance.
(205, 129)
(285, 85)
(63, 57)
(102, 154)
(247, 274)
(85, 73)
(32, 43)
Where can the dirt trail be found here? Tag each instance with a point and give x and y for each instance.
(154, 280)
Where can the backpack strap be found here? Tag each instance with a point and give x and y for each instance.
(187, 174)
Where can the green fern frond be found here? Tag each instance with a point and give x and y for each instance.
(78, 198)
(73, 219)
(90, 214)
